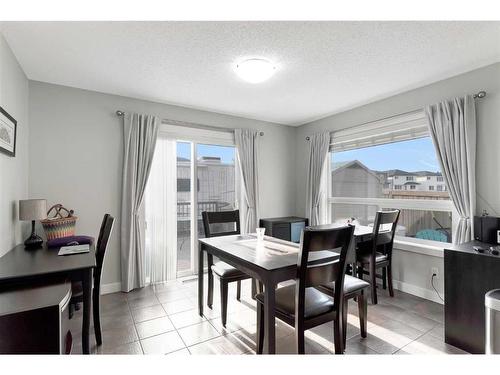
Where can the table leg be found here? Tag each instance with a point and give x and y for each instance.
(210, 277)
(269, 319)
(87, 292)
(200, 279)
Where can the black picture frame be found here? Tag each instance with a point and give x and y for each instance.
(7, 121)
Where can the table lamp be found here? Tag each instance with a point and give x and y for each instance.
(33, 209)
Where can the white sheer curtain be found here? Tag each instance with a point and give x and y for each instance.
(161, 214)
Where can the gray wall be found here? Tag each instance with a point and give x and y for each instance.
(13, 170)
(76, 148)
(412, 270)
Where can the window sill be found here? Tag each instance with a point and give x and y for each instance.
(424, 247)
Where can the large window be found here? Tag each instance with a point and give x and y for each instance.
(387, 170)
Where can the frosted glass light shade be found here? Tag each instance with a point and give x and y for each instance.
(255, 70)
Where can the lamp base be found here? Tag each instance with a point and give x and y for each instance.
(34, 241)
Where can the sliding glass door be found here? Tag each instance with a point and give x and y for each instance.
(205, 180)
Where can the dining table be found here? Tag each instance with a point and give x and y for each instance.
(21, 267)
(270, 261)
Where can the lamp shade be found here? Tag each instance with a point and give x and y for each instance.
(32, 209)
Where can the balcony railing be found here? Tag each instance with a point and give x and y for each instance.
(184, 208)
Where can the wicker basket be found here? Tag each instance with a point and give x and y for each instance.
(60, 224)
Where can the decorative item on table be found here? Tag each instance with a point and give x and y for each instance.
(32, 210)
(60, 222)
(260, 234)
(70, 241)
(352, 221)
(8, 133)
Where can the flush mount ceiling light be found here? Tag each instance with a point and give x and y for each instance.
(255, 70)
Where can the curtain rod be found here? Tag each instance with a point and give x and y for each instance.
(479, 95)
(191, 124)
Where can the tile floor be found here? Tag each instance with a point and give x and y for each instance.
(163, 319)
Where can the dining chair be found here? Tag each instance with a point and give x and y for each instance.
(354, 288)
(77, 290)
(302, 305)
(377, 253)
(228, 223)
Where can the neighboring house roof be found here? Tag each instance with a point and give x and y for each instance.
(338, 166)
(399, 172)
(394, 172)
(428, 173)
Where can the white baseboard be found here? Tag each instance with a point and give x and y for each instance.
(399, 285)
(110, 288)
(417, 291)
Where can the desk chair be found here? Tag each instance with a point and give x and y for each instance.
(77, 290)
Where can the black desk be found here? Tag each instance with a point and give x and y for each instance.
(29, 267)
(468, 275)
(286, 228)
(34, 319)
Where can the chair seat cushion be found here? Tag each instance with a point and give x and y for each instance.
(224, 270)
(365, 258)
(316, 302)
(351, 285)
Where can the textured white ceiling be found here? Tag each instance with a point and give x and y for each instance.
(323, 67)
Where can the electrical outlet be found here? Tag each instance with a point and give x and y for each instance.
(434, 271)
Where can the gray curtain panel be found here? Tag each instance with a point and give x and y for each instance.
(318, 150)
(140, 133)
(452, 125)
(247, 145)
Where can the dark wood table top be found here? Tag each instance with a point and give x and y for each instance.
(271, 254)
(359, 230)
(34, 297)
(20, 263)
(468, 247)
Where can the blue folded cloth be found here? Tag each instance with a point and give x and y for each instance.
(70, 240)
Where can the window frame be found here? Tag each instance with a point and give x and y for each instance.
(412, 120)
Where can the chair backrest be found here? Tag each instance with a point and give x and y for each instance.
(317, 273)
(382, 237)
(225, 218)
(102, 245)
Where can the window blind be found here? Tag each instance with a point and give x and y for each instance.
(182, 131)
(392, 129)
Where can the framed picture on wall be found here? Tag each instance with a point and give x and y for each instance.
(8, 133)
